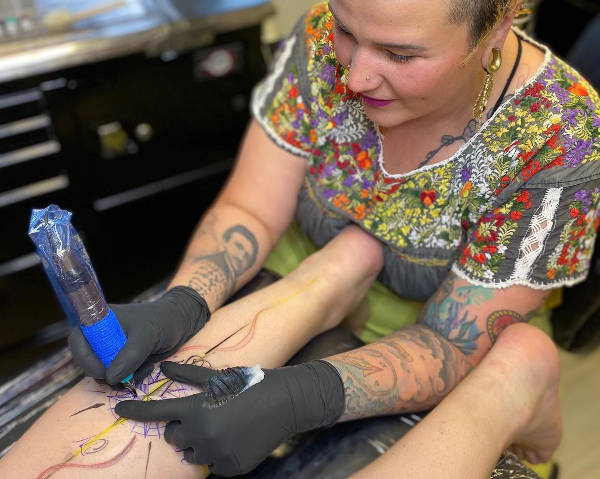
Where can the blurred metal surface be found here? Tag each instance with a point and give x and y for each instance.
(148, 26)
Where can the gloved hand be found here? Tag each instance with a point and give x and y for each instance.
(154, 331)
(233, 433)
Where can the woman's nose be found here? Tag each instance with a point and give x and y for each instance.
(361, 73)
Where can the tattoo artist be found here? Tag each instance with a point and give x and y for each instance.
(480, 229)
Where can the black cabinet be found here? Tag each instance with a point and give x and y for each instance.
(135, 147)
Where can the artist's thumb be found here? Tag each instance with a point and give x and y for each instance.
(187, 373)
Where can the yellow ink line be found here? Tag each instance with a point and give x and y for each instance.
(293, 295)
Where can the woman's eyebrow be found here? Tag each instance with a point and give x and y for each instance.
(389, 46)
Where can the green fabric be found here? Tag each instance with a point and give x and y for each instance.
(388, 312)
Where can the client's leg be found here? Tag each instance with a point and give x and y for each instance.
(511, 397)
(80, 436)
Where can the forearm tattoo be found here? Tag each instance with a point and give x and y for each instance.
(408, 371)
(217, 273)
(453, 313)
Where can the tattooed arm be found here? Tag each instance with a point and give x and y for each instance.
(238, 232)
(414, 368)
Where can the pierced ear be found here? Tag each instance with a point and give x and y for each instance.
(497, 37)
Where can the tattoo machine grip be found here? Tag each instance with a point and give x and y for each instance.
(75, 283)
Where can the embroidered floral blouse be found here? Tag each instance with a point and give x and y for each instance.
(517, 204)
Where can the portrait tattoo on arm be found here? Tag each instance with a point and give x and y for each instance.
(217, 273)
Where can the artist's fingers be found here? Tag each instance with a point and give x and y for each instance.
(187, 373)
(84, 356)
(174, 434)
(143, 372)
(192, 457)
(165, 410)
(135, 351)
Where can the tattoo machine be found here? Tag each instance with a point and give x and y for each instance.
(75, 283)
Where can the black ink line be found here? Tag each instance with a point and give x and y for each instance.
(221, 342)
(95, 406)
(148, 459)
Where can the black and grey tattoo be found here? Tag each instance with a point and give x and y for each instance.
(217, 273)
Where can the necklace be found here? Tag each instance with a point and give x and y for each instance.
(510, 77)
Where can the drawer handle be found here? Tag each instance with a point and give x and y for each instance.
(19, 264)
(150, 189)
(29, 153)
(23, 126)
(32, 190)
(21, 98)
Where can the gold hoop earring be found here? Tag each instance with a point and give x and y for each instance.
(494, 64)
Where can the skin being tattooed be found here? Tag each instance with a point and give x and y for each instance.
(217, 273)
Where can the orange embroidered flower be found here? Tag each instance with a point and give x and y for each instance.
(572, 268)
(359, 212)
(365, 193)
(466, 188)
(313, 136)
(578, 89)
(428, 197)
(341, 200)
(551, 273)
(364, 161)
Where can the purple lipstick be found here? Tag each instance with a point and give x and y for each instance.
(375, 102)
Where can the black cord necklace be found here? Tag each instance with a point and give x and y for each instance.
(510, 77)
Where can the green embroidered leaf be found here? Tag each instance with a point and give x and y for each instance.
(506, 231)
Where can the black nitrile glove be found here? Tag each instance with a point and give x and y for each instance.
(154, 331)
(233, 433)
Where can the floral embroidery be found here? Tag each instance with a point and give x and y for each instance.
(488, 243)
(577, 238)
(476, 205)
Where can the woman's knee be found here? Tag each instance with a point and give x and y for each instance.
(360, 250)
(529, 346)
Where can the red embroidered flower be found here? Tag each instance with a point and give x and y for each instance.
(428, 197)
(523, 197)
(480, 258)
(516, 215)
(574, 213)
(294, 93)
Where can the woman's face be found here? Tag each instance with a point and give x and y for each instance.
(406, 58)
